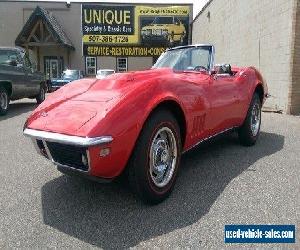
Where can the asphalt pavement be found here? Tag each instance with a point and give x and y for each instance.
(220, 182)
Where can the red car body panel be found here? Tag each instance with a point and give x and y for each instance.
(120, 104)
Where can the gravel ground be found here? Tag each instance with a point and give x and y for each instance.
(220, 182)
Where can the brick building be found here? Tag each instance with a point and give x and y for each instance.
(265, 34)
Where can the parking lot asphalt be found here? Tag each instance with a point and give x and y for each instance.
(220, 182)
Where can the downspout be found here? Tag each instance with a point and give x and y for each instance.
(293, 79)
(68, 55)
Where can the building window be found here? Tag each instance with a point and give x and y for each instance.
(121, 64)
(90, 65)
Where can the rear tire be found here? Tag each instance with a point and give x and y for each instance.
(153, 166)
(4, 101)
(249, 131)
(42, 95)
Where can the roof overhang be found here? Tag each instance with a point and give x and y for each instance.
(42, 29)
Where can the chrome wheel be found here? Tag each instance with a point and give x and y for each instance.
(3, 100)
(255, 119)
(163, 157)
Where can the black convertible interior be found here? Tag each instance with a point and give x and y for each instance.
(224, 69)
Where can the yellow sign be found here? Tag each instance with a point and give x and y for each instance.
(137, 26)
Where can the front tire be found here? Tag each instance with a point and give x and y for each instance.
(42, 95)
(4, 101)
(154, 164)
(249, 131)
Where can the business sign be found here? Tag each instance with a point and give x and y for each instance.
(128, 30)
(99, 50)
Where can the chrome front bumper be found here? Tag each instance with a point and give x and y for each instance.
(44, 138)
(67, 139)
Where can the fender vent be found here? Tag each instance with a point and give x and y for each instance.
(198, 124)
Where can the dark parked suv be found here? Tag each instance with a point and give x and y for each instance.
(18, 79)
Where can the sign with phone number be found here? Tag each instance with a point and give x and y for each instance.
(94, 50)
(120, 39)
(105, 25)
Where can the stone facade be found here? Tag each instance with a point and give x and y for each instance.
(264, 34)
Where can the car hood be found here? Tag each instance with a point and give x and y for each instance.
(69, 108)
(84, 101)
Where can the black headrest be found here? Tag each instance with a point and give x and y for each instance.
(224, 69)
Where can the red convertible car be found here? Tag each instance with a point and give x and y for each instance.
(139, 123)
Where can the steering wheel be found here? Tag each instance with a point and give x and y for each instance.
(199, 68)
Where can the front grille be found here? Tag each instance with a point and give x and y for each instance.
(42, 149)
(69, 155)
(40, 144)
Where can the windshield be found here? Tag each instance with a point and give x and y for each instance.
(7, 56)
(163, 20)
(70, 74)
(190, 58)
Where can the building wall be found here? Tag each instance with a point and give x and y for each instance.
(52, 51)
(107, 62)
(134, 63)
(139, 63)
(255, 32)
(63, 16)
(294, 91)
(13, 16)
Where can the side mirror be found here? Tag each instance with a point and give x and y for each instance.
(12, 63)
(227, 69)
